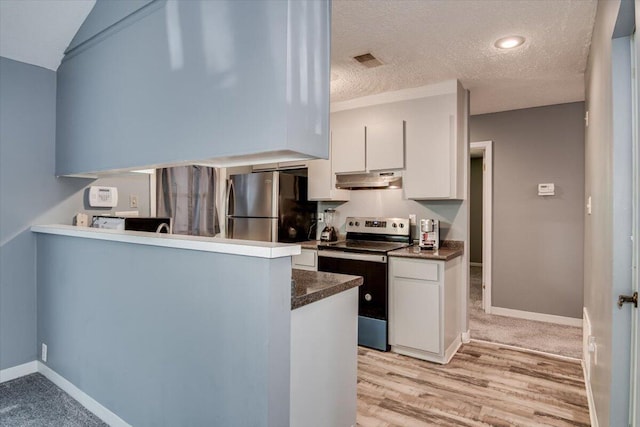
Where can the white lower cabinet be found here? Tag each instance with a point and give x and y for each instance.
(424, 308)
(307, 260)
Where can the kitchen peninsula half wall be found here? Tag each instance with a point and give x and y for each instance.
(171, 330)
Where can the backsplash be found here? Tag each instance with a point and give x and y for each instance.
(391, 203)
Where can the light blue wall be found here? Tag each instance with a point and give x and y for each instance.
(27, 190)
(31, 194)
(171, 337)
(622, 227)
(104, 14)
(192, 80)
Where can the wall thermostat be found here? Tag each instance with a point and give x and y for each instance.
(103, 197)
(546, 189)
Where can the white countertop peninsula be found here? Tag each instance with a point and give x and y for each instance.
(197, 243)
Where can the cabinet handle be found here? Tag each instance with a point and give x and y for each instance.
(368, 297)
(366, 167)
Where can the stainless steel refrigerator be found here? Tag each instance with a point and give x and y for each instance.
(270, 207)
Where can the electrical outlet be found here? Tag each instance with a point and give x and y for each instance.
(320, 216)
(133, 200)
(43, 355)
(412, 219)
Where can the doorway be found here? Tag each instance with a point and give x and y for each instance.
(482, 153)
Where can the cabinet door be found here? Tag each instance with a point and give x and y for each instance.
(427, 175)
(385, 145)
(416, 314)
(435, 147)
(348, 149)
(322, 182)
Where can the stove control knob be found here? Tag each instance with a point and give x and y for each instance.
(394, 225)
(368, 297)
(351, 223)
(357, 224)
(401, 225)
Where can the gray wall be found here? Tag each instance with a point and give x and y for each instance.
(537, 241)
(31, 194)
(607, 256)
(171, 337)
(475, 211)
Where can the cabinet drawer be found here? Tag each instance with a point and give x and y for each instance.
(306, 260)
(415, 269)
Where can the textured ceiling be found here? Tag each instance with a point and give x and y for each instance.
(427, 41)
(420, 42)
(38, 31)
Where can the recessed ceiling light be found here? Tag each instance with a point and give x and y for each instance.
(509, 42)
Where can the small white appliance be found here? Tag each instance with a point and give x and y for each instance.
(82, 219)
(430, 233)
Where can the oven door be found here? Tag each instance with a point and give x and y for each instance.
(373, 294)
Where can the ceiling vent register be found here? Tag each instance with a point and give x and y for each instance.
(368, 60)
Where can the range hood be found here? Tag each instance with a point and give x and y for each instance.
(369, 181)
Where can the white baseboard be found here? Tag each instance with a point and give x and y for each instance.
(475, 264)
(18, 371)
(586, 333)
(540, 317)
(592, 405)
(452, 350)
(466, 336)
(528, 350)
(84, 399)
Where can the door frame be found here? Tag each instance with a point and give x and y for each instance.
(486, 147)
(634, 400)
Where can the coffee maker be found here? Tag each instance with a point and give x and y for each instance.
(329, 233)
(430, 234)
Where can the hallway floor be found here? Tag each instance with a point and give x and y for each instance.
(540, 336)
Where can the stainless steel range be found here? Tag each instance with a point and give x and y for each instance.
(364, 253)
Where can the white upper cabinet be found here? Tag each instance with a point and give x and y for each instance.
(435, 148)
(367, 139)
(422, 131)
(385, 145)
(321, 181)
(348, 147)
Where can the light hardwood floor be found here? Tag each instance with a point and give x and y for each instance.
(483, 385)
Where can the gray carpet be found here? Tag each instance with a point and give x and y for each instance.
(33, 400)
(529, 334)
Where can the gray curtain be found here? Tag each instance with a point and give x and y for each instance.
(187, 194)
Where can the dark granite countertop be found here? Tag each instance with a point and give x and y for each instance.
(309, 244)
(450, 249)
(312, 286)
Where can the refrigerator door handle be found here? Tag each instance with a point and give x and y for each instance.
(275, 206)
(229, 228)
(229, 197)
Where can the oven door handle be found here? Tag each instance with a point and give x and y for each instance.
(353, 256)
